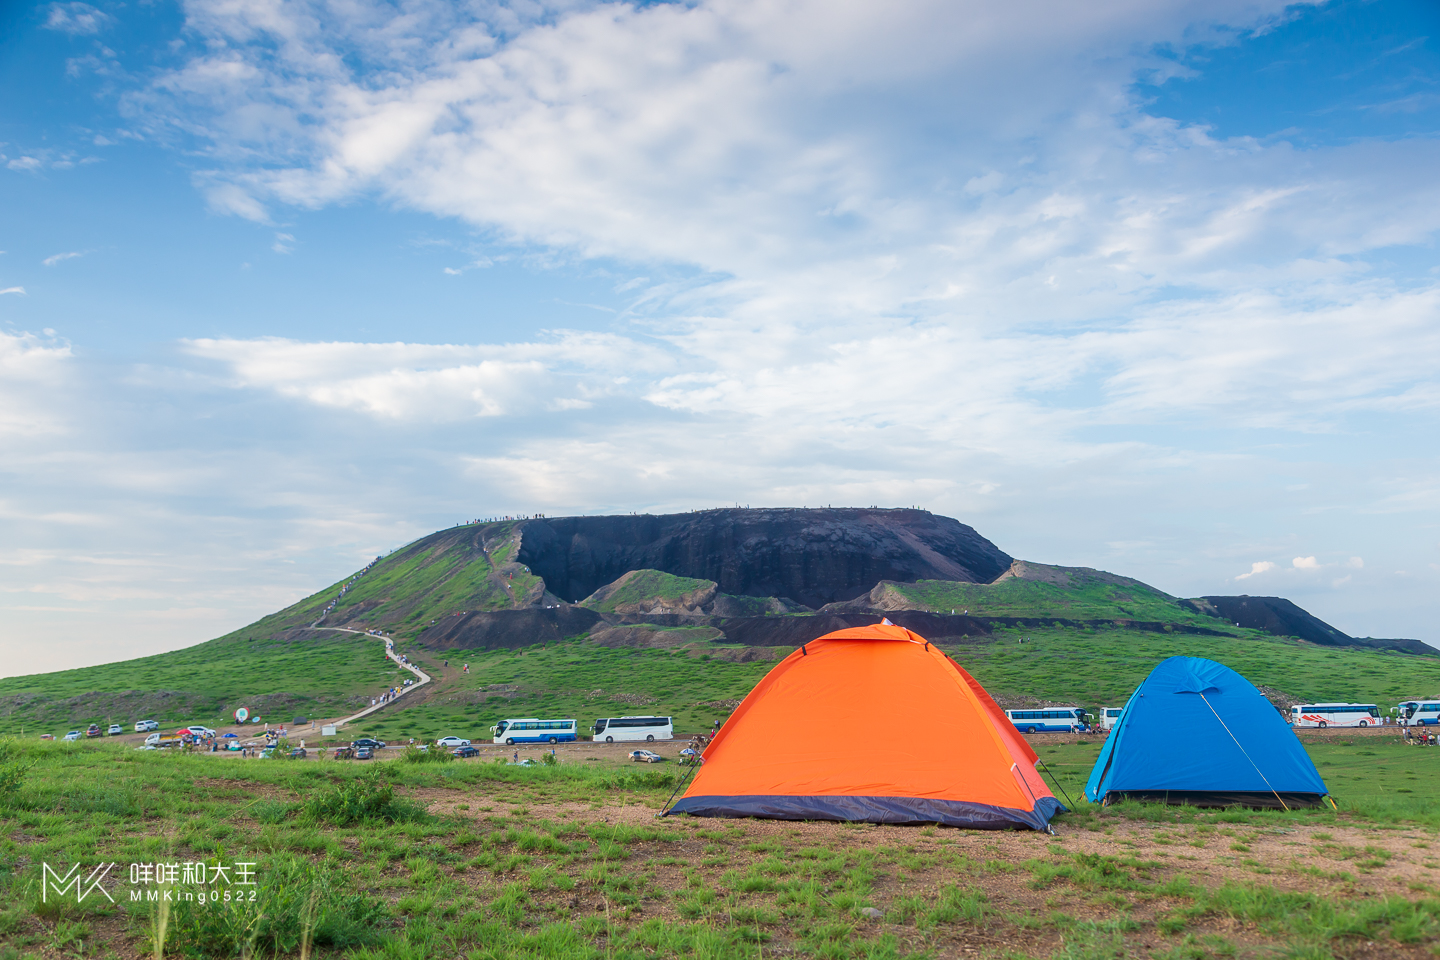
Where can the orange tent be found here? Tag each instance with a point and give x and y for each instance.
(871, 724)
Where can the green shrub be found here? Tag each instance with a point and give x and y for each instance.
(367, 797)
(413, 754)
(13, 768)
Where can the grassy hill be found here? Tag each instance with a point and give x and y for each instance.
(326, 674)
(1089, 638)
(464, 568)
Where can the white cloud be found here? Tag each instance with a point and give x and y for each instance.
(77, 18)
(19, 290)
(33, 374)
(1259, 566)
(1355, 563)
(1305, 563)
(436, 383)
(61, 258)
(930, 253)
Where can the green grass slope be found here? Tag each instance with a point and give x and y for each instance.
(698, 683)
(463, 568)
(641, 587)
(327, 675)
(1070, 594)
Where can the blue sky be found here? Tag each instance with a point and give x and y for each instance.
(287, 284)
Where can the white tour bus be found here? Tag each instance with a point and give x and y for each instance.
(1334, 715)
(1109, 716)
(1425, 712)
(530, 730)
(611, 729)
(1047, 719)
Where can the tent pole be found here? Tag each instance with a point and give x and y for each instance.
(1057, 782)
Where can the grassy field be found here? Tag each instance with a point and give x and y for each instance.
(1095, 667)
(1092, 668)
(327, 674)
(578, 679)
(407, 861)
(324, 674)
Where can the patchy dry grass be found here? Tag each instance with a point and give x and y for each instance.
(482, 860)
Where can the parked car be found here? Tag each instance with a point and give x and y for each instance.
(115, 729)
(344, 753)
(72, 736)
(93, 731)
(47, 736)
(201, 731)
(645, 756)
(452, 742)
(364, 753)
(370, 742)
(465, 751)
(145, 726)
(298, 753)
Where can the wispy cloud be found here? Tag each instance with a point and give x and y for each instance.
(77, 18)
(1259, 566)
(19, 290)
(62, 257)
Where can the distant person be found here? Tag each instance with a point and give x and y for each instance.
(517, 756)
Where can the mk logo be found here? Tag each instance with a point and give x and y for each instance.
(50, 880)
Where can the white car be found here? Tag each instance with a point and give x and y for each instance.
(115, 728)
(71, 737)
(199, 730)
(145, 726)
(452, 742)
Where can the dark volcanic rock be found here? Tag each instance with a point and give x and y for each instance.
(508, 629)
(814, 556)
(1278, 616)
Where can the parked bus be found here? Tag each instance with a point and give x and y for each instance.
(1334, 715)
(1047, 720)
(611, 729)
(1109, 716)
(1420, 712)
(530, 730)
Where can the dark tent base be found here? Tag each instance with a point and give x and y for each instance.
(901, 810)
(1219, 798)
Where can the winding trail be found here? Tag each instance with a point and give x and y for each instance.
(389, 652)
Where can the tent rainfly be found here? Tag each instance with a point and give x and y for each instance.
(1196, 732)
(871, 724)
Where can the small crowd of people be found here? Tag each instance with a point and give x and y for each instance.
(1420, 738)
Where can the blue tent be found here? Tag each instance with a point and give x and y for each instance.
(1197, 732)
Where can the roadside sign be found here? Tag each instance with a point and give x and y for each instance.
(241, 715)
